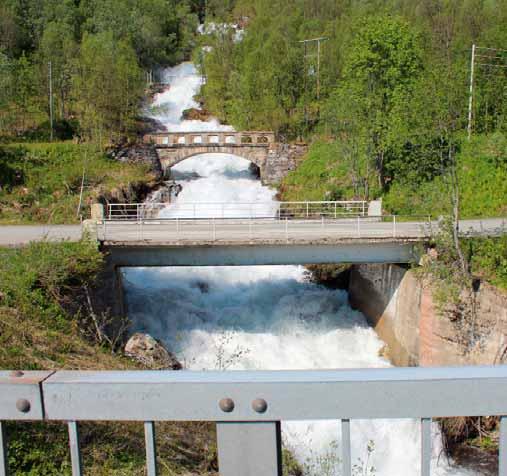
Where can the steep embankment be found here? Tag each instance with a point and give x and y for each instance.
(51, 319)
(41, 183)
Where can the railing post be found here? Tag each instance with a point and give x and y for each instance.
(75, 450)
(249, 448)
(214, 229)
(286, 229)
(502, 447)
(4, 462)
(394, 226)
(346, 451)
(151, 448)
(335, 204)
(306, 209)
(425, 446)
(358, 227)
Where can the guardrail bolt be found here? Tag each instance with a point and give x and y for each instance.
(23, 405)
(259, 405)
(17, 373)
(226, 405)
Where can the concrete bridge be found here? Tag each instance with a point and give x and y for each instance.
(272, 160)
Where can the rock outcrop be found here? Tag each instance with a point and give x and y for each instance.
(138, 153)
(151, 352)
(194, 114)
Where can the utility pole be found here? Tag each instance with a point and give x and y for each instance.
(50, 73)
(318, 41)
(483, 57)
(471, 98)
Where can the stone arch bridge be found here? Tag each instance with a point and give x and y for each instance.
(274, 160)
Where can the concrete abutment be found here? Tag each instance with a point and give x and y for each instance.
(402, 310)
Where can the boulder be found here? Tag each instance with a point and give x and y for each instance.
(194, 114)
(151, 352)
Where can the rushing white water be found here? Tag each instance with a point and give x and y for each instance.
(168, 106)
(268, 317)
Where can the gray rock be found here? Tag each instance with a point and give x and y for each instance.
(151, 352)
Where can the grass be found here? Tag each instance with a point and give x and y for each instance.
(44, 325)
(41, 182)
(482, 177)
(323, 175)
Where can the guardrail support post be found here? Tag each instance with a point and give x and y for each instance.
(75, 451)
(425, 446)
(151, 448)
(4, 462)
(346, 451)
(249, 449)
(502, 447)
(394, 226)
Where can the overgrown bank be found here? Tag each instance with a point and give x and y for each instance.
(46, 323)
(42, 183)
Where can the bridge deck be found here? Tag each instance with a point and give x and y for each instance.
(236, 231)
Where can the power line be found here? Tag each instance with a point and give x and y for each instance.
(473, 63)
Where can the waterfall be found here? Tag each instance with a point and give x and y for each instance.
(265, 317)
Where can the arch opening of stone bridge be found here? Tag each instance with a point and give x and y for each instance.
(273, 159)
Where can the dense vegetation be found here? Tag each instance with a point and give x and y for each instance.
(41, 183)
(45, 324)
(99, 52)
(391, 98)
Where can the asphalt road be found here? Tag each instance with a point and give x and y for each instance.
(243, 231)
(15, 235)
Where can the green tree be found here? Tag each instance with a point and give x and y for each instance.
(59, 48)
(108, 87)
(383, 63)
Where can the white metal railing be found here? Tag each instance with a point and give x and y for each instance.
(249, 406)
(229, 230)
(197, 210)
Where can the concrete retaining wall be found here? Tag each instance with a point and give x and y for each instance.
(403, 313)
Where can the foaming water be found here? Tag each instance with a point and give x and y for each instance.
(265, 317)
(223, 183)
(168, 106)
(272, 317)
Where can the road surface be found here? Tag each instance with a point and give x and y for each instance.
(244, 231)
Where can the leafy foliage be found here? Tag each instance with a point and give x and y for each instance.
(98, 51)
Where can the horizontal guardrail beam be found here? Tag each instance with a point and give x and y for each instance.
(248, 406)
(21, 395)
(289, 395)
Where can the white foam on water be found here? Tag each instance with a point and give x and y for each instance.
(168, 106)
(267, 317)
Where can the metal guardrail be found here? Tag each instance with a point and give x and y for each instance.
(264, 229)
(249, 406)
(288, 210)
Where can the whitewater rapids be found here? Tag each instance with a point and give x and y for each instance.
(265, 317)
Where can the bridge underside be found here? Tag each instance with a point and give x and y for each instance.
(251, 255)
(170, 156)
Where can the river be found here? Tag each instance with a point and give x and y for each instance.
(264, 317)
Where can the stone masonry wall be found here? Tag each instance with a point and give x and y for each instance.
(281, 159)
(403, 313)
